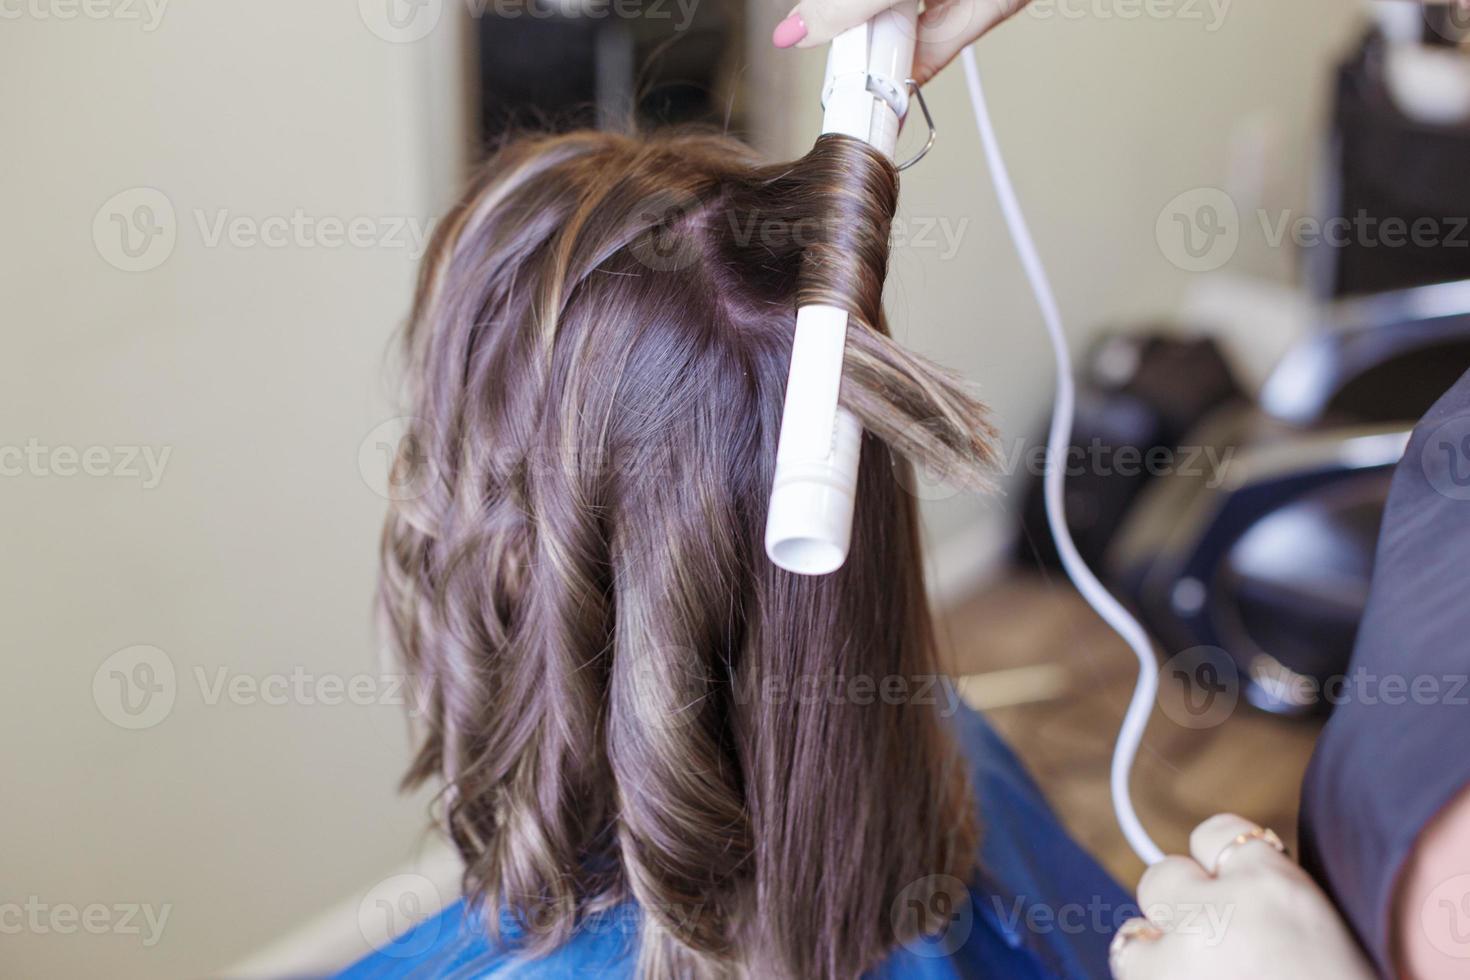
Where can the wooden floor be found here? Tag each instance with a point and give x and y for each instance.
(1055, 681)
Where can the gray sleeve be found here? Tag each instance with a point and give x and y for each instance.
(1397, 748)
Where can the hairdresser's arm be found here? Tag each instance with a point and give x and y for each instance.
(945, 26)
(1432, 914)
(1236, 910)
(1384, 814)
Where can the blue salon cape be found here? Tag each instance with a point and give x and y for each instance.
(1041, 908)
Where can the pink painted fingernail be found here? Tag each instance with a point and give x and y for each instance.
(789, 32)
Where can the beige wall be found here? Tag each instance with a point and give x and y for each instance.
(258, 369)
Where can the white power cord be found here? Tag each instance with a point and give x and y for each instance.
(1057, 445)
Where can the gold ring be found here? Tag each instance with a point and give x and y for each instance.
(1261, 834)
(1130, 931)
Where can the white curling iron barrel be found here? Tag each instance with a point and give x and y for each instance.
(809, 525)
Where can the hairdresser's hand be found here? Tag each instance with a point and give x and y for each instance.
(945, 26)
(1237, 908)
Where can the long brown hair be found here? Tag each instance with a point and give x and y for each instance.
(613, 671)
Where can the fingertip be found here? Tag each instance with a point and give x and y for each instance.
(925, 69)
(791, 32)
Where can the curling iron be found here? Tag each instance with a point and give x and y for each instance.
(865, 95)
(809, 525)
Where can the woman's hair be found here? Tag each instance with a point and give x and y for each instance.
(622, 696)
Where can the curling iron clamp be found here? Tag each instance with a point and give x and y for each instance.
(809, 524)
